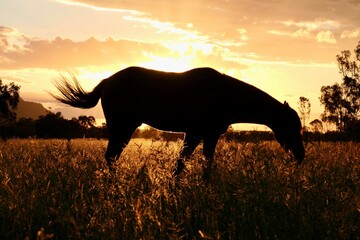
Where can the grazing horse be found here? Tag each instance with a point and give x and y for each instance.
(200, 102)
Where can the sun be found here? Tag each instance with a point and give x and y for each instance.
(181, 56)
(168, 64)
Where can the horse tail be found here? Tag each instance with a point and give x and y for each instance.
(71, 93)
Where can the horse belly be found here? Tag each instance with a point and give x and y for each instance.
(181, 118)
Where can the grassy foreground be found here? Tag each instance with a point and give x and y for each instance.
(54, 189)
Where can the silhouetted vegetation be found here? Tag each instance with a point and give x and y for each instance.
(9, 99)
(54, 125)
(342, 101)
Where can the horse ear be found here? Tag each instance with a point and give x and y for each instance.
(286, 104)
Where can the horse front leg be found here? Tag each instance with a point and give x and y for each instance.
(113, 152)
(209, 150)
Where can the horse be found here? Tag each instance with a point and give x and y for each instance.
(201, 103)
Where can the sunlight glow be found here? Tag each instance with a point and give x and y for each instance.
(167, 64)
(184, 56)
(94, 77)
(191, 48)
(89, 77)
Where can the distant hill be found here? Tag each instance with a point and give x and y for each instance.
(29, 110)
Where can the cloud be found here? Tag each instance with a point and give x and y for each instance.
(298, 33)
(209, 30)
(241, 26)
(206, 15)
(326, 37)
(350, 34)
(61, 53)
(321, 30)
(11, 40)
(318, 24)
(84, 4)
(64, 53)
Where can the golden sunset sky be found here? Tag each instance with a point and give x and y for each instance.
(286, 48)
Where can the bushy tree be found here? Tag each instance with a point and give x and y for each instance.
(53, 125)
(86, 121)
(342, 101)
(9, 99)
(50, 125)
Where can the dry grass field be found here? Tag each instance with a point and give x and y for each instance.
(54, 189)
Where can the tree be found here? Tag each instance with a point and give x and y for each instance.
(342, 101)
(304, 109)
(9, 99)
(53, 125)
(86, 122)
(25, 127)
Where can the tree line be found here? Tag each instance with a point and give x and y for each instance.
(341, 103)
(53, 125)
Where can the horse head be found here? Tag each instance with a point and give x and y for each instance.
(288, 132)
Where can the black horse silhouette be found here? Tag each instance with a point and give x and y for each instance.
(201, 102)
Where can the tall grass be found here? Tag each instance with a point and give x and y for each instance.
(54, 189)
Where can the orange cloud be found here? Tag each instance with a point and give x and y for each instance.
(271, 30)
(64, 53)
(326, 36)
(59, 53)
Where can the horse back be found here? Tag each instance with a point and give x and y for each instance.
(140, 84)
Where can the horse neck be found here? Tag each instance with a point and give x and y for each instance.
(262, 109)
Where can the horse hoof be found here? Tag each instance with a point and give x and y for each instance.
(206, 174)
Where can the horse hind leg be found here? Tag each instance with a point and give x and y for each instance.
(190, 143)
